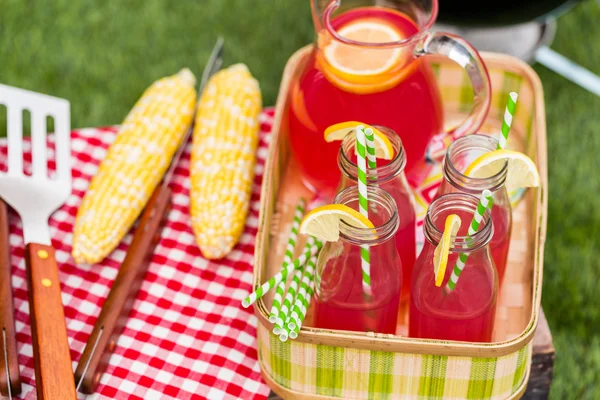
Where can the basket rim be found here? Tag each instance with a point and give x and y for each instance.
(395, 343)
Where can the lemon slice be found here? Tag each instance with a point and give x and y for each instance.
(440, 255)
(522, 171)
(383, 146)
(324, 222)
(347, 59)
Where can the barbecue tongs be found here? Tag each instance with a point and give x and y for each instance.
(118, 305)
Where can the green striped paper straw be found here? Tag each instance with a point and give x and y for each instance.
(485, 202)
(297, 315)
(363, 201)
(287, 302)
(280, 325)
(303, 307)
(371, 157)
(508, 118)
(309, 251)
(305, 304)
(287, 258)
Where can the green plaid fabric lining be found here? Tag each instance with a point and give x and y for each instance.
(350, 373)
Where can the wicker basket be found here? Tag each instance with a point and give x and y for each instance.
(337, 364)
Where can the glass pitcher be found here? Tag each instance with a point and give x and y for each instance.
(465, 313)
(342, 301)
(367, 65)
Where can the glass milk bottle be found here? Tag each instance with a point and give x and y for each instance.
(343, 300)
(465, 313)
(390, 177)
(458, 157)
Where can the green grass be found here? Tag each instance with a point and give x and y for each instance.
(102, 55)
(571, 296)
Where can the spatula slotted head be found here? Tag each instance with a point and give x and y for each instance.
(37, 196)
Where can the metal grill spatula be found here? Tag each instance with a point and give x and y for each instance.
(35, 198)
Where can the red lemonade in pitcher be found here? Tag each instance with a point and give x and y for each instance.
(376, 85)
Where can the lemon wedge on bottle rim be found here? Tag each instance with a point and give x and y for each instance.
(522, 171)
(324, 222)
(440, 255)
(383, 146)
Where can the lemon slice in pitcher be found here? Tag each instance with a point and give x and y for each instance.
(383, 146)
(440, 255)
(522, 171)
(343, 57)
(363, 69)
(324, 222)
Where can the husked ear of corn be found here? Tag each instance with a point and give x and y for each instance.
(134, 166)
(224, 146)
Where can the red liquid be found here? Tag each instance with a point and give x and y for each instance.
(500, 240)
(464, 314)
(406, 244)
(412, 108)
(341, 302)
(405, 237)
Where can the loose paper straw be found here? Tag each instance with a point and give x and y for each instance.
(309, 251)
(296, 317)
(281, 328)
(287, 302)
(507, 121)
(287, 258)
(363, 201)
(484, 204)
(303, 307)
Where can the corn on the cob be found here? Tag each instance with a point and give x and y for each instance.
(223, 157)
(134, 165)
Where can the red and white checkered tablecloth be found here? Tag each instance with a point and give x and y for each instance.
(188, 336)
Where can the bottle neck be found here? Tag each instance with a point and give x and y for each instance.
(382, 212)
(460, 204)
(382, 173)
(464, 151)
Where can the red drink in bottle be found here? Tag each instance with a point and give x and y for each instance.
(341, 301)
(390, 177)
(459, 156)
(467, 312)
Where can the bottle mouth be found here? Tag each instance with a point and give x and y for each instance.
(462, 152)
(382, 212)
(424, 20)
(457, 203)
(382, 173)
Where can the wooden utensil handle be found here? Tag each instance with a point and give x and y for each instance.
(7, 318)
(123, 292)
(51, 355)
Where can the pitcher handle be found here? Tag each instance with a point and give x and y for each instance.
(461, 52)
